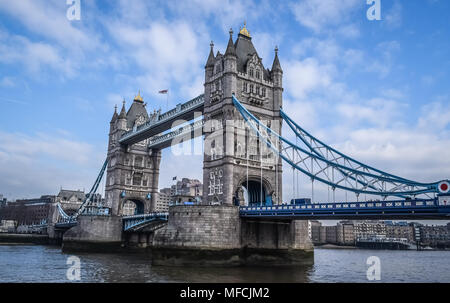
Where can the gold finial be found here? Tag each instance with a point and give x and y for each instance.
(138, 97)
(244, 30)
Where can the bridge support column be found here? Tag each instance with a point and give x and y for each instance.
(94, 233)
(216, 235)
(276, 243)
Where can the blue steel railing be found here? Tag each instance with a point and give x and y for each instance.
(179, 110)
(413, 208)
(132, 222)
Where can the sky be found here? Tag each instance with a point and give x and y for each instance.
(377, 90)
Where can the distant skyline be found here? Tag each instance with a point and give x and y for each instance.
(376, 90)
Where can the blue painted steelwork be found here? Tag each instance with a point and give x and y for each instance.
(71, 220)
(183, 111)
(396, 209)
(134, 222)
(359, 178)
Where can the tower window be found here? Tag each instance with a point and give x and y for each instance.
(263, 91)
(258, 90)
(252, 88)
(245, 87)
(127, 179)
(251, 72)
(257, 74)
(137, 178)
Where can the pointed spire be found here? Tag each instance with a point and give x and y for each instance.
(231, 50)
(138, 98)
(123, 112)
(276, 66)
(114, 117)
(244, 31)
(211, 58)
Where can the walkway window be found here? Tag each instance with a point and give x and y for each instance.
(137, 178)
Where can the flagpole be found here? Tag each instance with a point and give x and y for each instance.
(167, 101)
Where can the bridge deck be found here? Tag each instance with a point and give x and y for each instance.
(185, 111)
(416, 209)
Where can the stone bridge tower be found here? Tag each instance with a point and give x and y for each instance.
(238, 168)
(133, 171)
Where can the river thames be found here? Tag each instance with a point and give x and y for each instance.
(33, 263)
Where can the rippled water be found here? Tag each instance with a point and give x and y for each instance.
(20, 263)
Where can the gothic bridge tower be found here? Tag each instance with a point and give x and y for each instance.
(238, 168)
(133, 171)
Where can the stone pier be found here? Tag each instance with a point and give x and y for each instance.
(216, 235)
(94, 233)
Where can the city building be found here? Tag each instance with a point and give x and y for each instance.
(71, 200)
(187, 190)
(28, 211)
(331, 234)
(345, 233)
(163, 201)
(2, 201)
(365, 229)
(7, 226)
(400, 230)
(315, 231)
(435, 235)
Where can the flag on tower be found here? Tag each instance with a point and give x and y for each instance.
(165, 91)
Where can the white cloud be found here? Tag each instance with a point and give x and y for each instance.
(34, 56)
(48, 19)
(394, 16)
(40, 164)
(7, 82)
(302, 77)
(322, 14)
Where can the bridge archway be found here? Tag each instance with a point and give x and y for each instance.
(131, 207)
(253, 192)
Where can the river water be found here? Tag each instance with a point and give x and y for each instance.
(33, 263)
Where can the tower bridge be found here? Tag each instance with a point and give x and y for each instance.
(242, 217)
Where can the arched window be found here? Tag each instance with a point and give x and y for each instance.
(252, 87)
(257, 74)
(251, 72)
(264, 92)
(245, 87)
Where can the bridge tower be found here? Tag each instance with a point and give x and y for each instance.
(133, 171)
(237, 167)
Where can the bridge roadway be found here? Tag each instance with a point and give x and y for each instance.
(376, 210)
(164, 122)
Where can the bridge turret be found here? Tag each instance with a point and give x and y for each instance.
(229, 68)
(122, 119)
(277, 78)
(233, 162)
